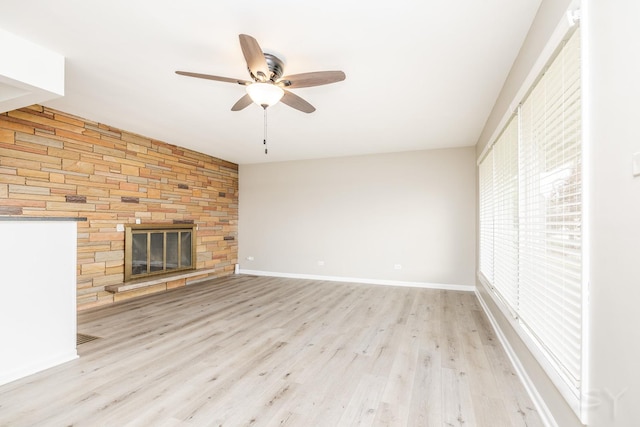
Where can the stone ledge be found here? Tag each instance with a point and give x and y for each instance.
(143, 283)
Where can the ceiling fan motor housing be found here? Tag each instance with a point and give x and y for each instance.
(276, 68)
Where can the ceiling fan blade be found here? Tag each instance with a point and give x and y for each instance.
(296, 102)
(216, 78)
(255, 57)
(316, 78)
(242, 103)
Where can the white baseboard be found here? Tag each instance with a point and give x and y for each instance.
(448, 287)
(538, 401)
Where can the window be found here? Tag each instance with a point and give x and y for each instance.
(551, 211)
(486, 196)
(505, 216)
(530, 204)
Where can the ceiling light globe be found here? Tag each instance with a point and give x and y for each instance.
(265, 94)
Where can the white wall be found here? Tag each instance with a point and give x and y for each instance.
(37, 296)
(361, 216)
(613, 135)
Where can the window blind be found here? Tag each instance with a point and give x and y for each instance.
(505, 182)
(530, 208)
(485, 181)
(550, 243)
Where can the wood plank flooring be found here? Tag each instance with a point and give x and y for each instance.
(256, 351)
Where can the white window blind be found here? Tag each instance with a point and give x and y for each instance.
(530, 207)
(505, 182)
(485, 181)
(551, 212)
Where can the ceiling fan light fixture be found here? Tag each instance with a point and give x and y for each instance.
(265, 94)
(268, 85)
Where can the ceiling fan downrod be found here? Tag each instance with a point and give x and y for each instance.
(264, 140)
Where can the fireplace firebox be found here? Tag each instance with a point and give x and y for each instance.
(155, 249)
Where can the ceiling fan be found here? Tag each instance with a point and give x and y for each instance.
(268, 85)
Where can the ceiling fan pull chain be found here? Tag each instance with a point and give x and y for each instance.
(264, 141)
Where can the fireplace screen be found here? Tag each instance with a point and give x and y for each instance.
(158, 249)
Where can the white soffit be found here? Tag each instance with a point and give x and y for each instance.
(29, 74)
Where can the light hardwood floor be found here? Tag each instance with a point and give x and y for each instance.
(256, 351)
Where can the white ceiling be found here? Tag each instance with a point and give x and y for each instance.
(421, 74)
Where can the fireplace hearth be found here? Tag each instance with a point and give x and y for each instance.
(155, 249)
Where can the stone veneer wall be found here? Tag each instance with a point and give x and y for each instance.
(56, 164)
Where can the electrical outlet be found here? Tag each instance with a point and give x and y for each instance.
(119, 227)
(250, 258)
(320, 263)
(397, 266)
